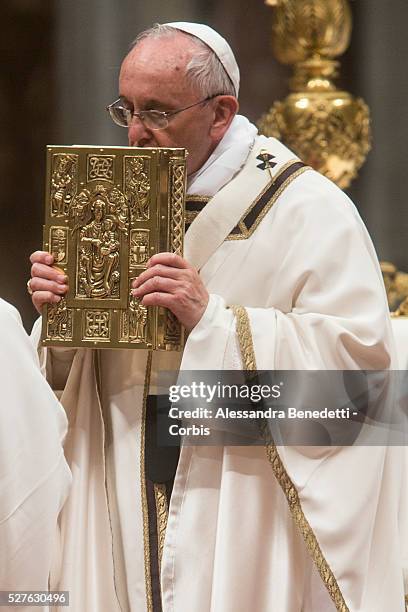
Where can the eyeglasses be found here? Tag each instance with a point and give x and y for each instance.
(152, 119)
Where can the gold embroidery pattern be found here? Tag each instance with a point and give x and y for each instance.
(145, 509)
(162, 513)
(247, 232)
(190, 215)
(243, 327)
(245, 337)
(198, 198)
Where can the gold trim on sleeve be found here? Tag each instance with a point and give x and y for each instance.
(243, 327)
(145, 509)
(246, 345)
(162, 513)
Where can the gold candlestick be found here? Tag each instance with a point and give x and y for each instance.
(329, 129)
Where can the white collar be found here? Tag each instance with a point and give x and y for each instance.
(226, 160)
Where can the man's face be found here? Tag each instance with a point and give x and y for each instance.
(152, 76)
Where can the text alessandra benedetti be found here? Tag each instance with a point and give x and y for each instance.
(268, 413)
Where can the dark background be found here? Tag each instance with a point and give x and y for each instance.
(60, 63)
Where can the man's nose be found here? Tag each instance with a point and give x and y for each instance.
(138, 134)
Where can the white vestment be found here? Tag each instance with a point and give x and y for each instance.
(34, 476)
(268, 530)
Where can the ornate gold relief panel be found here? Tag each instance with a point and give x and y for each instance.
(139, 248)
(100, 168)
(99, 220)
(64, 180)
(135, 324)
(58, 241)
(96, 325)
(59, 326)
(137, 173)
(116, 207)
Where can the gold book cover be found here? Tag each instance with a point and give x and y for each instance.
(108, 210)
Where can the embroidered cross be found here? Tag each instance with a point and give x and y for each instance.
(266, 158)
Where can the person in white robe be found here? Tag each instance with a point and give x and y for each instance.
(278, 273)
(34, 475)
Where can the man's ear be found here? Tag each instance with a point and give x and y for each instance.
(225, 109)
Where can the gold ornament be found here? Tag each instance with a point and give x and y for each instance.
(108, 210)
(396, 286)
(327, 128)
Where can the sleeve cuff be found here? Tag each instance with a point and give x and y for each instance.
(206, 344)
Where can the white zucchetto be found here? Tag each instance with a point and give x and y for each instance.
(217, 43)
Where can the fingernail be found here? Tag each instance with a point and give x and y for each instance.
(57, 298)
(63, 289)
(62, 279)
(49, 259)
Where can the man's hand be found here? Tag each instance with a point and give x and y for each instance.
(47, 283)
(171, 282)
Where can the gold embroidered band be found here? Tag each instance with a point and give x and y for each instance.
(244, 337)
(194, 205)
(266, 199)
(145, 508)
(162, 513)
